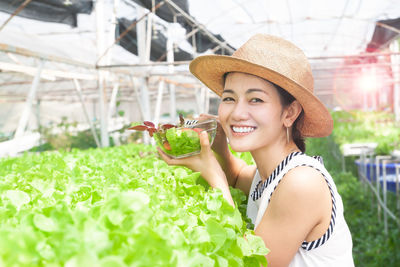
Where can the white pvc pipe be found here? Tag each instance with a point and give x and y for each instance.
(144, 94)
(397, 187)
(170, 59)
(135, 86)
(113, 101)
(385, 226)
(148, 36)
(111, 33)
(377, 163)
(28, 104)
(100, 43)
(85, 112)
(159, 102)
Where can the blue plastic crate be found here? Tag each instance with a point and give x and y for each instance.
(371, 173)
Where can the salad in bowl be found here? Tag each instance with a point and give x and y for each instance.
(182, 140)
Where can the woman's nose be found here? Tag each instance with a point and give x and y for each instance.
(240, 111)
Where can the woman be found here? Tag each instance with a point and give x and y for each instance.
(268, 107)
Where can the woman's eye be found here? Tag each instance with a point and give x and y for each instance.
(227, 99)
(256, 100)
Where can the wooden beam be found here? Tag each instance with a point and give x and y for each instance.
(28, 53)
(22, 6)
(46, 73)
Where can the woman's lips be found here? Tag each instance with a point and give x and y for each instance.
(242, 130)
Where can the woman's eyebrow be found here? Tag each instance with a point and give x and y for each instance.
(252, 90)
(229, 91)
(249, 91)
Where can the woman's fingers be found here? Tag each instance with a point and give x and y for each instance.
(204, 142)
(167, 159)
(195, 162)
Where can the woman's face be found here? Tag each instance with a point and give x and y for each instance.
(250, 112)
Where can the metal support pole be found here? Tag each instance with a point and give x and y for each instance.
(363, 162)
(100, 38)
(27, 109)
(148, 36)
(377, 163)
(113, 101)
(39, 124)
(172, 103)
(170, 59)
(159, 102)
(137, 95)
(144, 94)
(111, 33)
(380, 203)
(103, 110)
(398, 188)
(385, 226)
(79, 91)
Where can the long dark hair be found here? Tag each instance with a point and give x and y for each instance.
(286, 99)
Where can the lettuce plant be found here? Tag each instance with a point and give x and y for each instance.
(119, 206)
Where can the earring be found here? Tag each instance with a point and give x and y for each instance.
(287, 134)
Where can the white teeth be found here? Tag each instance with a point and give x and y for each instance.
(243, 129)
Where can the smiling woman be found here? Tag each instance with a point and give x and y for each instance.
(251, 108)
(267, 108)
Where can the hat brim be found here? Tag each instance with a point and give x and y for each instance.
(210, 70)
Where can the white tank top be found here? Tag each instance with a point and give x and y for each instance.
(334, 248)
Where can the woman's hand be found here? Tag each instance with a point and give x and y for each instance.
(206, 163)
(220, 144)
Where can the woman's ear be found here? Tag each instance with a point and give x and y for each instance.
(291, 113)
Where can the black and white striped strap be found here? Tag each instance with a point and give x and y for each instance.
(259, 189)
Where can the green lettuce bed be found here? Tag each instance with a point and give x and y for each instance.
(118, 206)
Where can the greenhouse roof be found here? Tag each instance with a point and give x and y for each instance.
(320, 28)
(64, 33)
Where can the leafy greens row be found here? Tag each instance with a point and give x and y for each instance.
(119, 206)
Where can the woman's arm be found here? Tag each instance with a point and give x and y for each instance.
(299, 210)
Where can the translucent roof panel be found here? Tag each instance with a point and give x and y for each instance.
(319, 27)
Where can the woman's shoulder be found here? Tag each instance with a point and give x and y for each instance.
(304, 180)
(302, 190)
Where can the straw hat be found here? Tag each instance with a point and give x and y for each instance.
(277, 61)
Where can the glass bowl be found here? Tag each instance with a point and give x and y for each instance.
(181, 142)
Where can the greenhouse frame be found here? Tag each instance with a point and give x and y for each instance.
(89, 69)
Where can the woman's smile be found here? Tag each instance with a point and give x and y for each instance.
(241, 130)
